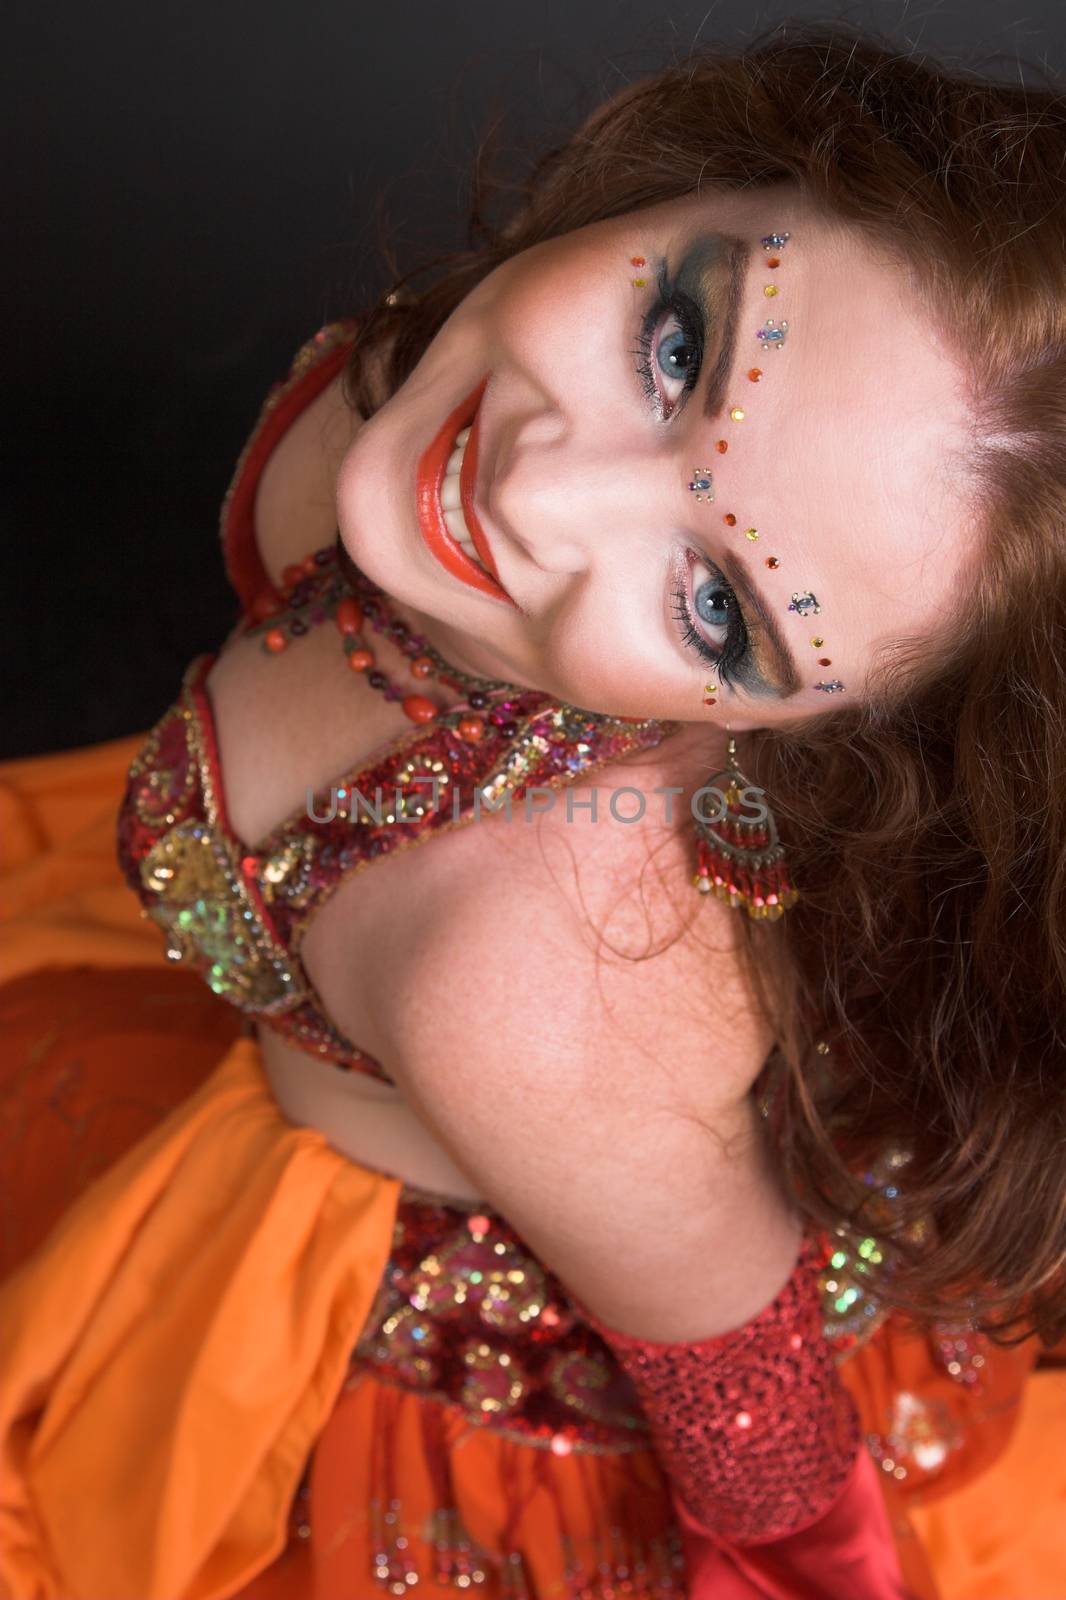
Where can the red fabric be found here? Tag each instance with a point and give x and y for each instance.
(848, 1552)
(308, 376)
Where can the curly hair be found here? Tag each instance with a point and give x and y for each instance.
(927, 826)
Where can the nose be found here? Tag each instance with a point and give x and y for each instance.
(565, 500)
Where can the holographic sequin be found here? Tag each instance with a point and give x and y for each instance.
(466, 1314)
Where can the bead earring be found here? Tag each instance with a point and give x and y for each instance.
(740, 857)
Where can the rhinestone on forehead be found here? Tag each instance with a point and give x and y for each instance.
(772, 334)
(834, 686)
(702, 484)
(805, 604)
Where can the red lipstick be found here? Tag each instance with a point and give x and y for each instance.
(428, 479)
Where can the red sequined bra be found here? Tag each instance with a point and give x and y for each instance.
(239, 916)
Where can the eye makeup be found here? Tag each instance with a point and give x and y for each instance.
(754, 656)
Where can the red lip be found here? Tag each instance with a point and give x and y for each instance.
(428, 479)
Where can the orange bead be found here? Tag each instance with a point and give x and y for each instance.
(264, 605)
(755, 373)
(275, 640)
(730, 520)
(722, 446)
(422, 666)
(418, 708)
(291, 576)
(471, 729)
(359, 660)
(348, 615)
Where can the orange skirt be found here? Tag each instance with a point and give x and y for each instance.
(156, 1429)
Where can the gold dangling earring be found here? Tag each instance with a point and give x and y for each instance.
(739, 853)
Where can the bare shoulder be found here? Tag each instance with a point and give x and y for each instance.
(592, 1076)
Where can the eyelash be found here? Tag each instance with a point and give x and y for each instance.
(735, 647)
(690, 320)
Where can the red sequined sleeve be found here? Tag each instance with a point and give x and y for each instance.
(762, 1446)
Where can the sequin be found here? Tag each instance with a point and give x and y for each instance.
(471, 1317)
(737, 414)
(786, 1463)
(240, 918)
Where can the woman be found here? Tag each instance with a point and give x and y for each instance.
(549, 1228)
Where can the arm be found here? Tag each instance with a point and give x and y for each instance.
(602, 1105)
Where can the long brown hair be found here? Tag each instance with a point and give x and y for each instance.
(927, 827)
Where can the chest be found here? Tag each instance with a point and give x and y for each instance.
(293, 726)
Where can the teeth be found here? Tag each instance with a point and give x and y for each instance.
(451, 501)
(458, 530)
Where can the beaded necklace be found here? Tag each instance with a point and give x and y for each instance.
(327, 583)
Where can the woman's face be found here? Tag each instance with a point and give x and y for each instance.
(621, 365)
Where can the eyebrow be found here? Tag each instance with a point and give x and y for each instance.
(739, 259)
(787, 682)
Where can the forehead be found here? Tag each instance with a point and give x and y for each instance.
(849, 456)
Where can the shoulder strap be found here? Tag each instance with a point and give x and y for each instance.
(315, 364)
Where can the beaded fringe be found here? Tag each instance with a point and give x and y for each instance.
(625, 1563)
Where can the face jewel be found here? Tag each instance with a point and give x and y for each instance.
(702, 485)
(805, 604)
(775, 241)
(772, 335)
(834, 686)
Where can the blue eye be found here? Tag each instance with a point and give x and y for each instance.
(715, 603)
(678, 354)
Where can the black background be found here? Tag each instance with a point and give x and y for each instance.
(194, 191)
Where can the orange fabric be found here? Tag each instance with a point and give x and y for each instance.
(1004, 1534)
(140, 1371)
(147, 1454)
(63, 900)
